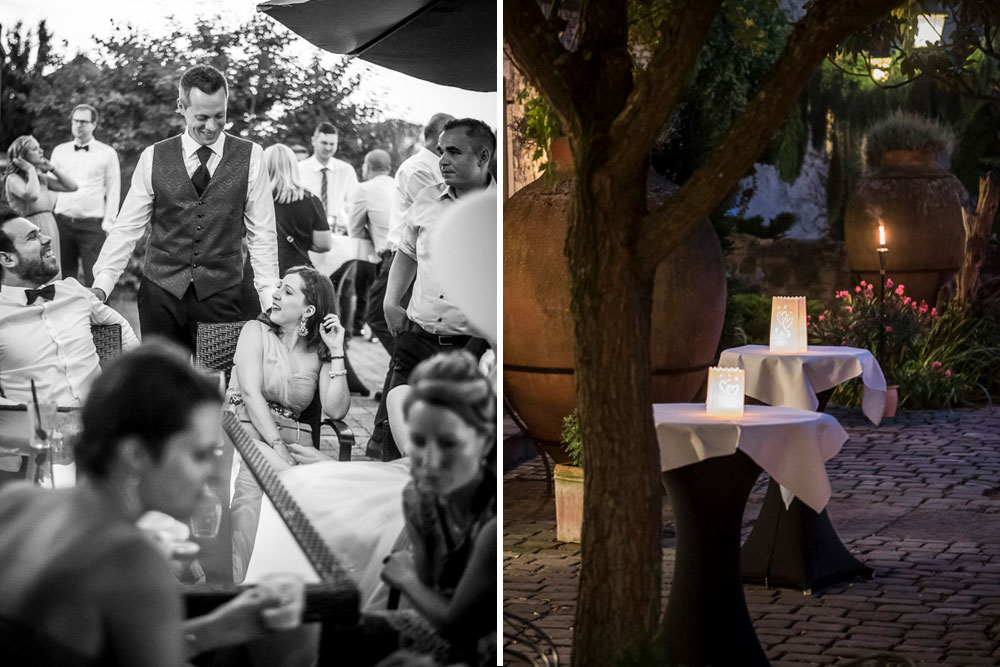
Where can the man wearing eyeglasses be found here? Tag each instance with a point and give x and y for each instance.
(84, 217)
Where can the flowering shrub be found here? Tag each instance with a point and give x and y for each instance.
(939, 360)
(859, 320)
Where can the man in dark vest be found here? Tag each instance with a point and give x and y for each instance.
(198, 193)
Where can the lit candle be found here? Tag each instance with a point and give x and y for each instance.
(725, 392)
(881, 234)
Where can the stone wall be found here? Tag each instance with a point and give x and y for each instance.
(815, 268)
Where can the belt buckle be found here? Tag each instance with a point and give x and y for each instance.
(445, 341)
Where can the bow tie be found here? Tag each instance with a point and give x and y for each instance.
(80, 148)
(46, 292)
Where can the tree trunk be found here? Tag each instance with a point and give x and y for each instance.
(977, 234)
(622, 497)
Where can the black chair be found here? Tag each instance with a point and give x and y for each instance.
(524, 643)
(215, 345)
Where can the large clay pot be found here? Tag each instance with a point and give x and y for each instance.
(921, 206)
(689, 303)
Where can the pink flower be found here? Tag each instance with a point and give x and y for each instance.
(936, 364)
(947, 373)
(843, 342)
(899, 290)
(863, 283)
(808, 317)
(848, 309)
(934, 312)
(888, 282)
(888, 328)
(906, 300)
(821, 318)
(857, 289)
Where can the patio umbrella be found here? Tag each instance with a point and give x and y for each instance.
(448, 42)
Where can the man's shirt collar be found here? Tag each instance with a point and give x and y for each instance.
(16, 293)
(190, 146)
(449, 192)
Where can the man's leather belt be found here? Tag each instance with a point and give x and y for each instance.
(442, 340)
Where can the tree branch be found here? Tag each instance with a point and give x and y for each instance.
(539, 55)
(659, 87)
(977, 224)
(811, 39)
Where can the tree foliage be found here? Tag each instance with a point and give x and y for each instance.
(133, 82)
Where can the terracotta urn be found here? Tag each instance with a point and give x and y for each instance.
(920, 204)
(689, 302)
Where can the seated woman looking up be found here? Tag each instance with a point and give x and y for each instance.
(280, 358)
(80, 584)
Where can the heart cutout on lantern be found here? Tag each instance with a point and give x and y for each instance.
(729, 388)
(786, 320)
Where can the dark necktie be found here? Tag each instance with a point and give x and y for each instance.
(322, 190)
(46, 292)
(80, 148)
(200, 176)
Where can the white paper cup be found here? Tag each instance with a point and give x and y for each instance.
(291, 590)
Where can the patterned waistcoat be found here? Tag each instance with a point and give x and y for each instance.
(197, 239)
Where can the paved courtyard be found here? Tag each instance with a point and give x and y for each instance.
(917, 498)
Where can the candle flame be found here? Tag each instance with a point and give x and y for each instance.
(881, 234)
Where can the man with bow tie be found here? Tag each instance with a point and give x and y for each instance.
(44, 324)
(85, 216)
(199, 193)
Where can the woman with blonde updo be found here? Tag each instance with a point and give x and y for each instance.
(424, 524)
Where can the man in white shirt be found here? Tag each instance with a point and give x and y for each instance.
(330, 179)
(45, 324)
(86, 215)
(369, 219)
(432, 322)
(415, 173)
(198, 193)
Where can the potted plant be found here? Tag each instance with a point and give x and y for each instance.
(569, 483)
(907, 139)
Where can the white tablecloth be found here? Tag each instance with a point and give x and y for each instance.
(792, 378)
(791, 445)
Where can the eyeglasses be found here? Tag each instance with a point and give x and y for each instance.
(82, 122)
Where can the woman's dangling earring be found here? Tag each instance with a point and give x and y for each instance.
(303, 329)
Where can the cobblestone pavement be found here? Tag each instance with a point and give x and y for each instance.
(917, 498)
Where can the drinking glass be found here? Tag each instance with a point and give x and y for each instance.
(42, 421)
(207, 514)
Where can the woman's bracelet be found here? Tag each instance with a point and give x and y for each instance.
(337, 374)
(277, 440)
(336, 356)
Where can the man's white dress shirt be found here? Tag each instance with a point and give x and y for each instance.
(341, 181)
(98, 178)
(137, 210)
(50, 342)
(371, 210)
(430, 305)
(417, 172)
